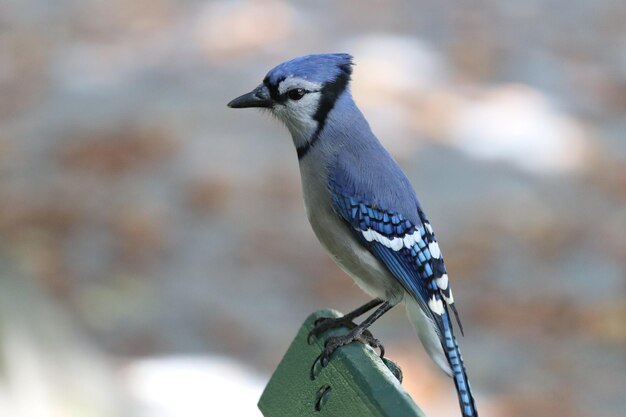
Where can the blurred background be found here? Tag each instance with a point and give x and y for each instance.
(155, 258)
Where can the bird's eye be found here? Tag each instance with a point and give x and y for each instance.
(296, 93)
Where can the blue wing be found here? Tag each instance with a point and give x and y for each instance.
(410, 251)
(374, 197)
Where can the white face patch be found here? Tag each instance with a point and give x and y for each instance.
(298, 114)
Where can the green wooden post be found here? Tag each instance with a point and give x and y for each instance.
(356, 382)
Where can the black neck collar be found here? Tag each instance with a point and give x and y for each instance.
(329, 94)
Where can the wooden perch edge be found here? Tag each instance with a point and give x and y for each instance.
(356, 382)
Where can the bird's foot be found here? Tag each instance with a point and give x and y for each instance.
(359, 333)
(324, 324)
(335, 342)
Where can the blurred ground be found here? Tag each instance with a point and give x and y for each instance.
(155, 222)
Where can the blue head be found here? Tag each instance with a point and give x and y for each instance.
(319, 69)
(301, 92)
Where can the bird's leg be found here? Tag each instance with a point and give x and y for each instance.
(358, 333)
(326, 323)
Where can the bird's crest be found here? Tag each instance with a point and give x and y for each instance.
(317, 68)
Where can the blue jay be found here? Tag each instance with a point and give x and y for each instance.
(363, 209)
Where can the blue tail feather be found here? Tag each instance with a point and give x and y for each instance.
(453, 354)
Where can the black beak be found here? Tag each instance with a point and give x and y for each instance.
(259, 97)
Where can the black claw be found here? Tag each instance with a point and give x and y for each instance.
(367, 339)
(335, 342)
(324, 360)
(394, 368)
(317, 328)
(332, 343)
